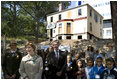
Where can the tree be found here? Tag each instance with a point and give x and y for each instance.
(12, 22)
(21, 18)
(38, 11)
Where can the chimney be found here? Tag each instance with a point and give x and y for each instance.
(60, 7)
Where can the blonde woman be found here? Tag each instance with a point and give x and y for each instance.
(31, 65)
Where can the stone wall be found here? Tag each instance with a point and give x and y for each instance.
(81, 45)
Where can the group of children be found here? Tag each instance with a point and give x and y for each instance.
(77, 69)
(91, 64)
(87, 65)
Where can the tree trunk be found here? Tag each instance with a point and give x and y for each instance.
(37, 25)
(15, 20)
(36, 32)
(114, 22)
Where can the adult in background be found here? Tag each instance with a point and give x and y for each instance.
(11, 62)
(89, 52)
(31, 65)
(110, 52)
(57, 62)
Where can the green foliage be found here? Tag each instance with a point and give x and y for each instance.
(11, 25)
(26, 18)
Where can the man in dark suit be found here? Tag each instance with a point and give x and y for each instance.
(57, 62)
(11, 62)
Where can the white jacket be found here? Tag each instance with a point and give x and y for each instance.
(31, 67)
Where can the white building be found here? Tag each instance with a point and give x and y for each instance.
(103, 7)
(107, 29)
(81, 22)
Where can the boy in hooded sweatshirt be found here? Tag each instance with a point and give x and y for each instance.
(96, 71)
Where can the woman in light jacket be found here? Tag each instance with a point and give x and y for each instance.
(31, 65)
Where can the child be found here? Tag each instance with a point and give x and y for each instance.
(110, 72)
(97, 54)
(90, 63)
(80, 73)
(96, 71)
(69, 67)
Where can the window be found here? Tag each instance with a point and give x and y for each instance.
(95, 5)
(100, 32)
(60, 25)
(90, 26)
(107, 14)
(53, 31)
(50, 39)
(96, 17)
(68, 37)
(79, 2)
(79, 12)
(59, 16)
(60, 37)
(107, 21)
(90, 12)
(60, 28)
(100, 21)
(102, 14)
(79, 37)
(99, 5)
(107, 24)
(108, 33)
(107, 3)
(51, 19)
(68, 28)
(90, 36)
